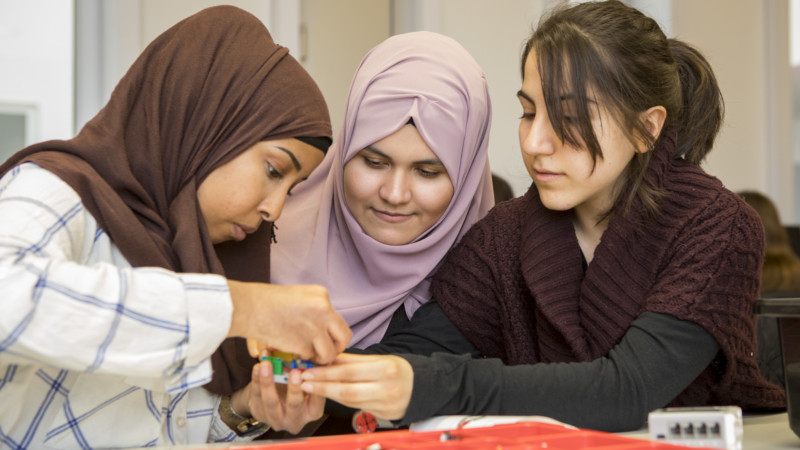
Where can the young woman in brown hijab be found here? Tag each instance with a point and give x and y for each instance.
(119, 248)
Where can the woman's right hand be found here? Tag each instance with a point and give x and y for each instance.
(380, 384)
(282, 407)
(294, 319)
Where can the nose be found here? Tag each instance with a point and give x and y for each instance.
(395, 189)
(271, 206)
(537, 137)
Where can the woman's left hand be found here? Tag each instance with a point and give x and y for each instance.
(380, 384)
(282, 407)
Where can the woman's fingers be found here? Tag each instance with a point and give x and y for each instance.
(366, 396)
(301, 407)
(380, 384)
(283, 407)
(324, 349)
(295, 319)
(341, 335)
(256, 347)
(265, 402)
(350, 368)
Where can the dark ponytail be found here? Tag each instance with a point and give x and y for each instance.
(702, 109)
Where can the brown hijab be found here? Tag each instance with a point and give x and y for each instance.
(201, 93)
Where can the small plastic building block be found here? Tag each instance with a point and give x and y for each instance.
(283, 363)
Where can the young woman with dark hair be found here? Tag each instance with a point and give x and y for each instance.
(621, 282)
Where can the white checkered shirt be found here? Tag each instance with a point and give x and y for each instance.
(95, 353)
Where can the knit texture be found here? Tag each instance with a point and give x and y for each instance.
(516, 286)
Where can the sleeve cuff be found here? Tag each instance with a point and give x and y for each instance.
(209, 311)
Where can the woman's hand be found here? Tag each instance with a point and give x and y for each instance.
(293, 319)
(282, 407)
(380, 384)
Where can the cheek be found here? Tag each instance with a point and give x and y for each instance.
(246, 193)
(580, 165)
(528, 162)
(613, 166)
(208, 198)
(436, 196)
(523, 131)
(355, 182)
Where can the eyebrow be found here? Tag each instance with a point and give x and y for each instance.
(524, 95)
(564, 97)
(573, 97)
(432, 161)
(296, 163)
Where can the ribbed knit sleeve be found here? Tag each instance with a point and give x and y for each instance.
(512, 284)
(711, 277)
(474, 275)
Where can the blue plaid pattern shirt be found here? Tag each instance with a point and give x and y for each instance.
(95, 353)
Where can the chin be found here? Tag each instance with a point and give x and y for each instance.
(555, 204)
(390, 240)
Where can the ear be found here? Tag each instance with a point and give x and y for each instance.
(653, 120)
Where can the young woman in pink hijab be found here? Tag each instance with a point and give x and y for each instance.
(407, 178)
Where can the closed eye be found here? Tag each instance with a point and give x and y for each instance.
(429, 172)
(375, 163)
(273, 173)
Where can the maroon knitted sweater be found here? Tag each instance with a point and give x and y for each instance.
(516, 286)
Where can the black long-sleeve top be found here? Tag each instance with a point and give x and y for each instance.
(655, 360)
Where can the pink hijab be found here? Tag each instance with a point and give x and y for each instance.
(432, 79)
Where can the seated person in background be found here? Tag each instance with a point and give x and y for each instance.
(621, 282)
(780, 277)
(119, 277)
(781, 272)
(502, 190)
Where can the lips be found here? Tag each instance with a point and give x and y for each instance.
(546, 175)
(391, 217)
(241, 231)
(248, 230)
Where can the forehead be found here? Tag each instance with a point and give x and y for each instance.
(298, 152)
(405, 143)
(531, 72)
(555, 80)
(532, 82)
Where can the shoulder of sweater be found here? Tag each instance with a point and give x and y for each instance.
(689, 188)
(506, 214)
(698, 207)
(499, 227)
